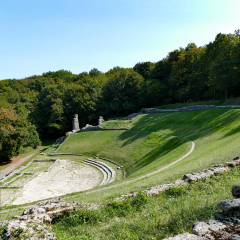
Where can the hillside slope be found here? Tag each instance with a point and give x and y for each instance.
(156, 140)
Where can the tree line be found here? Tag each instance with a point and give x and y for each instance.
(43, 106)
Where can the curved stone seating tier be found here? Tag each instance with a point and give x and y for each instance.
(103, 172)
(109, 174)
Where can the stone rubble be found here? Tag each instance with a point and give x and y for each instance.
(185, 236)
(32, 223)
(133, 116)
(58, 141)
(89, 127)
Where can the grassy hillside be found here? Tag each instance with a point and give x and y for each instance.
(164, 215)
(156, 140)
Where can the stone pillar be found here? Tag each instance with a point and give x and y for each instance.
(75, 124)
(100, 120)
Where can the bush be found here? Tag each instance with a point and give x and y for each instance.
(176, 191)
(80, 217)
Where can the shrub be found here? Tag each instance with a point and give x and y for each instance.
(176, 191)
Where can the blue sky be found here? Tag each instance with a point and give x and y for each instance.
(77, 35)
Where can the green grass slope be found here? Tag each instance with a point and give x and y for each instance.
(156, 140)
(165, 215)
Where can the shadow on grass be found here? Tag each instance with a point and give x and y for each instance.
(232, 132)
(191, 125)
(161, 150)
(188, 125)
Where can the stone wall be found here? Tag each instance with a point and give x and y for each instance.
(89, 127)
(189, 108)
(133, 116)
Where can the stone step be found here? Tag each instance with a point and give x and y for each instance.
(111, 174)
(105, 175)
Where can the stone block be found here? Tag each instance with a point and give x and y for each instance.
(236, 190)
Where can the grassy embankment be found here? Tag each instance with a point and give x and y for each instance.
(164, 215)
(156, 140)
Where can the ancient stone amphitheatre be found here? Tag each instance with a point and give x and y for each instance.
(154, 143)
(47, 178)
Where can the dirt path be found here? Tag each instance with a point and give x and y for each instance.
(16, 162)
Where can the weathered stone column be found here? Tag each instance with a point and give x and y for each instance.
(100, 120)
(75, 124)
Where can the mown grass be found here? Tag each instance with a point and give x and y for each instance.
(154, 141)
(36, 167)
(116, 124)
(134, 155)
(46, 143)
(65, 157)
(157, 137)
(170, 213)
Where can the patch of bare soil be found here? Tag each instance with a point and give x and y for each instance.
(65, 177)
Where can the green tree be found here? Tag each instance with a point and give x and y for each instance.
(15, 132)
(221, 70)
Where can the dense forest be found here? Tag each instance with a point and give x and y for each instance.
(43, 106)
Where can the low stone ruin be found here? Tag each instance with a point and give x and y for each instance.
(59, 141)
(89, 127)
(189, 108)
(32, 223)
(191, 177)
(133, 116)
(75, 124)
(109, 173)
